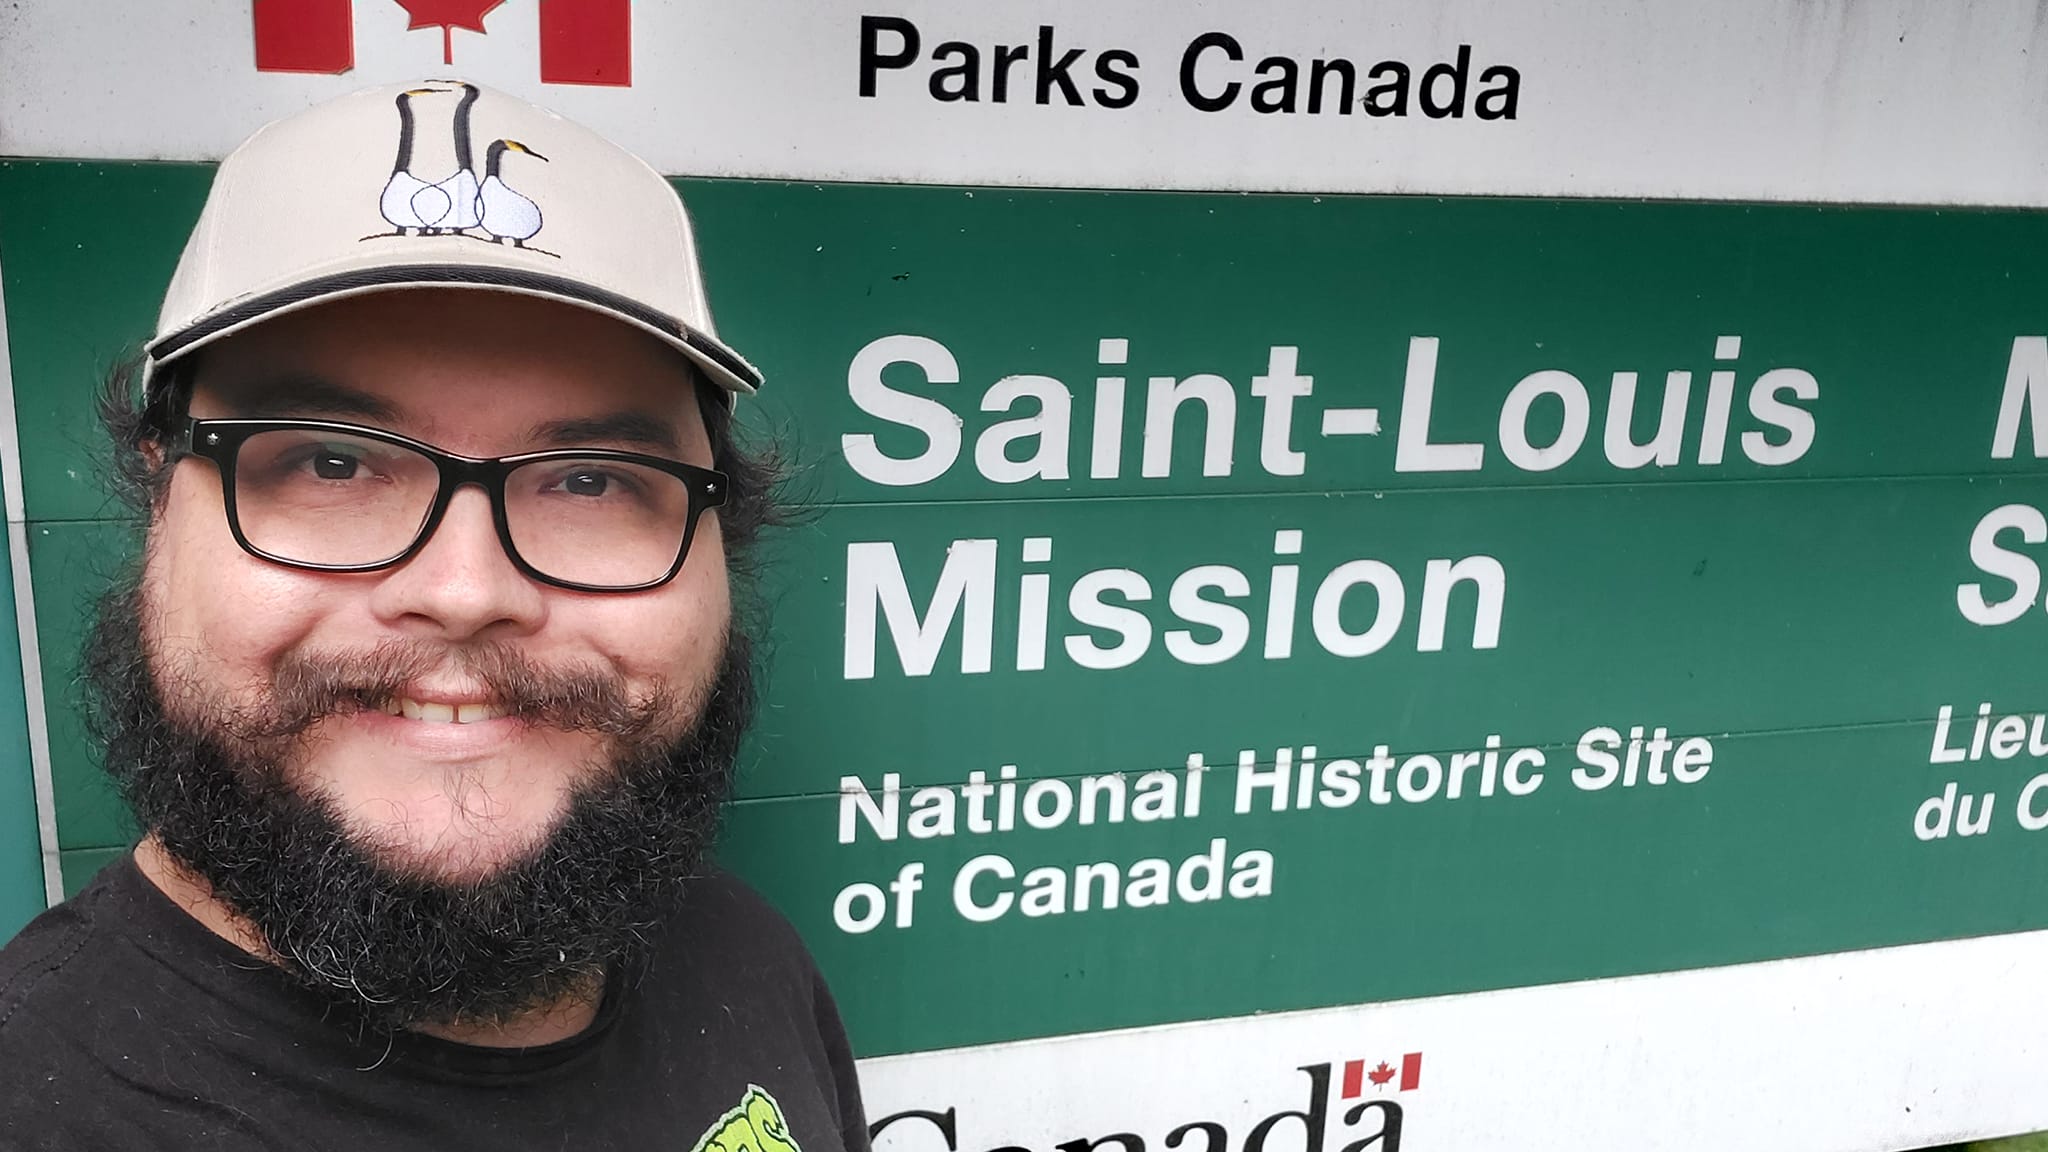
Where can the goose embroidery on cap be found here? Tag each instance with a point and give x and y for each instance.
(458, 204)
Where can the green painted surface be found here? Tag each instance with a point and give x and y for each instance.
(71, 561)
(86, 250)
(21, 858)
(1801, 615)
(80, 864)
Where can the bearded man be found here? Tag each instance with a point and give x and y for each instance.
(428, 686)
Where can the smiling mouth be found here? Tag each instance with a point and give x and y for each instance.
(433, 712)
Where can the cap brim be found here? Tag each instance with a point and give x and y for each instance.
(727, 368)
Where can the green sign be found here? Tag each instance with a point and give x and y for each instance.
(1261, 603)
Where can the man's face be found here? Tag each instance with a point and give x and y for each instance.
(415, 870)
(476, 374)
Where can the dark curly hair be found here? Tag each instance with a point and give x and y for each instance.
(139, 423)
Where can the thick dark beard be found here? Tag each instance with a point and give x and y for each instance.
(400, 950)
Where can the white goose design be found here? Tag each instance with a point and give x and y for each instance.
(506, 214)
(461, 188)
(408, 201)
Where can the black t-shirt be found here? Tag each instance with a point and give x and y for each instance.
(125, 1023)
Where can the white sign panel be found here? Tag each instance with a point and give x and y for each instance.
(1893, 1048)
(1880, 101)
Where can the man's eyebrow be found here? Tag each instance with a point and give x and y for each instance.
(634, 428)
(305, 395)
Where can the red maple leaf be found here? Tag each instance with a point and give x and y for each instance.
(449, 15)
(1380, 1075)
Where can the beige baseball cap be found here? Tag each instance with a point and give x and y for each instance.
(441, 184)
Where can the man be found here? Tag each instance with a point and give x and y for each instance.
(428, 687)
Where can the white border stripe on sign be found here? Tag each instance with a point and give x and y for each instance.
(25, 623)
(1902, 1047)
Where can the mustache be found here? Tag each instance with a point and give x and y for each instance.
(308, 686)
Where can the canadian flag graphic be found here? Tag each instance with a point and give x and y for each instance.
(581, 41)
(1356, 1075)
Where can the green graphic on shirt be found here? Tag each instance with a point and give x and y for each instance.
(756, 1125)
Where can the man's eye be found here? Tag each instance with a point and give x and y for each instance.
(586, 483)
(335, 466)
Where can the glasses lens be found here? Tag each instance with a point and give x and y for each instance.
(604, 523)
(320, 497)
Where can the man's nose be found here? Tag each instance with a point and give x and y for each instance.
(462, 584)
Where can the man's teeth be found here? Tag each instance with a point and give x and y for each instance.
(434, 713)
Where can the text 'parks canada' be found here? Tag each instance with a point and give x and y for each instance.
(1216, 72)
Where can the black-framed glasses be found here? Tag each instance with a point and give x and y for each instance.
(335, 497)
